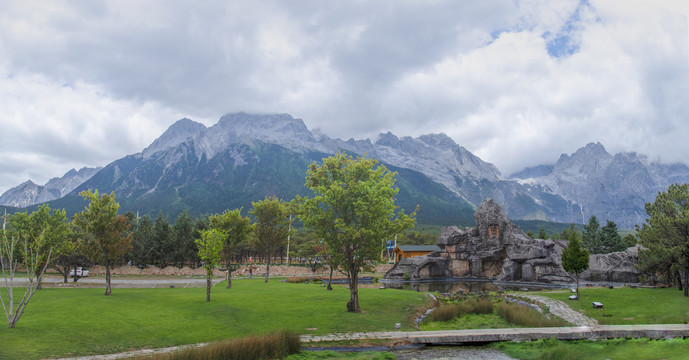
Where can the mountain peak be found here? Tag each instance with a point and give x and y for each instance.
(181, 130)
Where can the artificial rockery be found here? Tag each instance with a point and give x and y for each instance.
(497, 249)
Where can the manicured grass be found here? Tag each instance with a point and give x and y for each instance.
(627, 306)
(82, 321)
(638, 349)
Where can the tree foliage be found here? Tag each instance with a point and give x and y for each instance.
(210, 246)
(29, 241)
(575, 259)
(665, 236)
(353, 210)
(107, 235)
(235, 230)
(271, 226)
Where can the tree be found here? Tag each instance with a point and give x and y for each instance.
(163, 247)
(575, 259)
(210, 245)
(142, 242)
(542, 234)
(353, 210)
(629, 240)
(107, 236)
(35, 260)
(49, 224)
(591, 237)
(235, 229)
(611, 240)
(271, 217)
(184, 235)
(665, 235)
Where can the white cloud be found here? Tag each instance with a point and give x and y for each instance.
(84, 83)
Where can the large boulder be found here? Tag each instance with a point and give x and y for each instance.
(615, 267)
(430, 266)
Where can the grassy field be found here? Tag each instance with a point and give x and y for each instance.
(627, 306)
(82, 321)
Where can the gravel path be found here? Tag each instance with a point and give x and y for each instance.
(558, 308)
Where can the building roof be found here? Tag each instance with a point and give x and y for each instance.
(429, 248)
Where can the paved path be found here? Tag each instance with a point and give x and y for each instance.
(558, 308)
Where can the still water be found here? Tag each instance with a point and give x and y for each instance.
(453, 286)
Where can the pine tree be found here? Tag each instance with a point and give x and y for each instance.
(575, 259)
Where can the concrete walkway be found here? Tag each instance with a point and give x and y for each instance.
(562, 310)
(516, 334)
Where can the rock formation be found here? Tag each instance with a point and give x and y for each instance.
(498, 250)
(495, 249)
(614, 267)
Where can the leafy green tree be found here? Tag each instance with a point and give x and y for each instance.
(542, 234)
(210, 245)
(271, 217)
(611, 240)
(591, 237)
(107, 234)
(665, 234)
(575, 259)
(353, 211)
(235, 229)
(184, 235)
(530, 234)
(28, 238)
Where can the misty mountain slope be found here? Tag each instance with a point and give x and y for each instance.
(612, 187)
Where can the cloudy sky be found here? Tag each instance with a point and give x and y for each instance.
(517, 82)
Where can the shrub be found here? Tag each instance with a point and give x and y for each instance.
(446, 312)
(524, 316)
(297, 279)
(270, 346)
(481, 306)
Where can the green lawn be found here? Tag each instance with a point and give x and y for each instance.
(627, 306)
(82, 321)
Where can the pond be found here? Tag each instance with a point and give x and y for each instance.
(453, 286)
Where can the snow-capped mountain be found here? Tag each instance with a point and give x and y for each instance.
(612, 187)
(29, 193)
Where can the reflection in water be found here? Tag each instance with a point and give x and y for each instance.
(455, 286)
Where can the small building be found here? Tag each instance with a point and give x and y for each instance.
(409, 251)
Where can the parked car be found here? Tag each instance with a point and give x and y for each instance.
(81, 272)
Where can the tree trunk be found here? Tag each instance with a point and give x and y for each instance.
(686, 281)
(577, 275)
(268, 266)
(330, 279)
(208, 285)
(353, 304)
(229, 276)
(107, 275)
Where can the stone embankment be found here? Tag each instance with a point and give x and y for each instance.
(562, 310)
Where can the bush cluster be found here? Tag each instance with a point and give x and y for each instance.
(271, 346)
(525, 316)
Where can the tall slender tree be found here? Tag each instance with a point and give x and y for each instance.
(271, 226)
(210, 246)
(575, 259)
(353, 209)
(107, 236)
(591, 237)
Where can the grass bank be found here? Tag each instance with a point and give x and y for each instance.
(82, 321)
(628, 306)
(638, 349)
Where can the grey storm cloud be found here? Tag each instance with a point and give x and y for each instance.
(515, 82)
